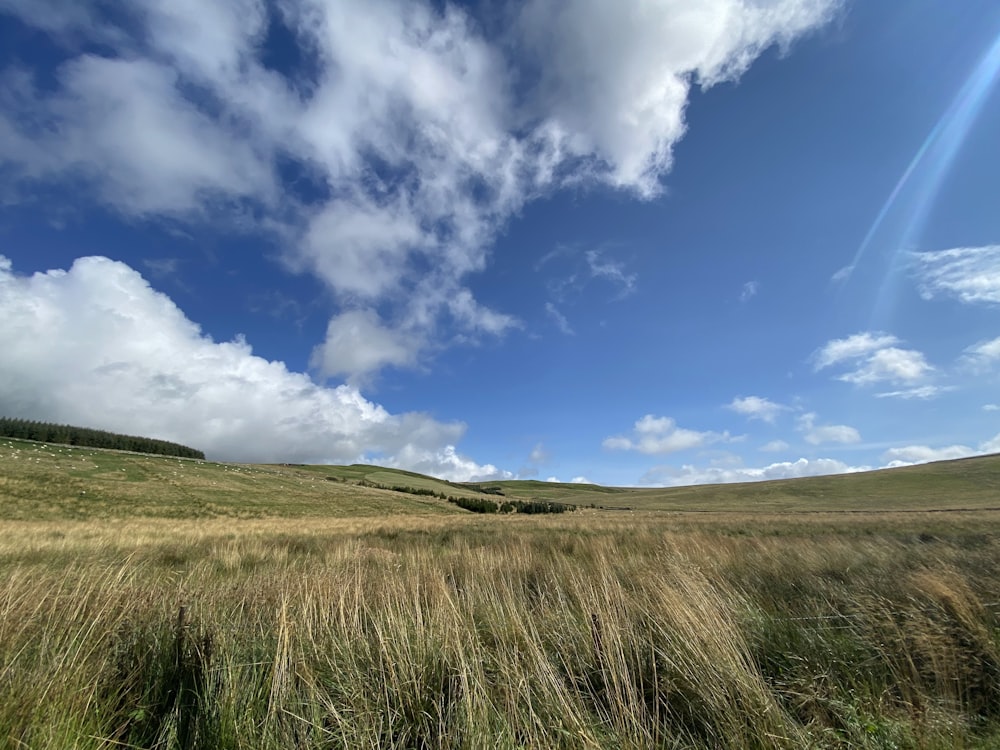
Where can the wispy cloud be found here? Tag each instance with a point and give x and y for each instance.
(162, 267)
(749, 291)
(775, 446)
(968, 274)
(612, 270)
(982, 356)
(842, 274)
(560, 320)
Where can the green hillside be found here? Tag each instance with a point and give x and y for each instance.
(43, 481)
(963, 483)
(40, 481)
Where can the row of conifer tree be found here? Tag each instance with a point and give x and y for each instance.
(46, 432)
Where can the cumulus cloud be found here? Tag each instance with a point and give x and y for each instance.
(667, 476)
(851, 348)
(968, 274)
(661, 435)
(756, 407)
(614, 78)
(95, 345)
(890, 365)
(388, 157)
(876, 359)
(750, 290)
(919, 454)
(830, 433)
(357, 342)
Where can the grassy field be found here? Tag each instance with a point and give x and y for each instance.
(268, 607)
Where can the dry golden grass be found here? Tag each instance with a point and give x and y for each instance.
(578, 631)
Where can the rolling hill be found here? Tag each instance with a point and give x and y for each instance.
(42, 481)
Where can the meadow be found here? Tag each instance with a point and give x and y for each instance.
(277, 609)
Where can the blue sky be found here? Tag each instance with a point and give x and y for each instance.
(646, 243)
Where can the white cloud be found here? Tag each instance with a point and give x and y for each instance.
(611, 270)
(890, 365)
(969, 274)
(919, 454)
(831, 433)
(803, 467)
(982, 356)
(922, 392)
(851, 348)
(445, 463)
(660, 435)
(756, 407)
(357, 343)
(775, 446)
(411, 136)
(580, 480)
(876, 360)
(614, 77)
(986, 349)
(842, 274)
(560, 320)
(538, 457)
(991, 407)
(96, 346)
(750, 290)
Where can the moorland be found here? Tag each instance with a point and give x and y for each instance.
(165, 602)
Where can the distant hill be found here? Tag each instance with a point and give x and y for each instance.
(962, 483)
(41, 481)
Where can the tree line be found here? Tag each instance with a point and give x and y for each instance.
(483, 505)
(46, 432)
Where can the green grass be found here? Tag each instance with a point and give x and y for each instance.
(39, 481)
(969, 483)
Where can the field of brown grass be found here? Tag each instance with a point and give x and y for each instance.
(442, 629)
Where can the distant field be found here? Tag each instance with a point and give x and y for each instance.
(970, 483)
(42, 481)
(173, 604)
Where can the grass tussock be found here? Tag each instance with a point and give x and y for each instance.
(579, 631)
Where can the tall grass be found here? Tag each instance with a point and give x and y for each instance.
(570, 632)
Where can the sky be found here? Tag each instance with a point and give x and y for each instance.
(634, 243)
